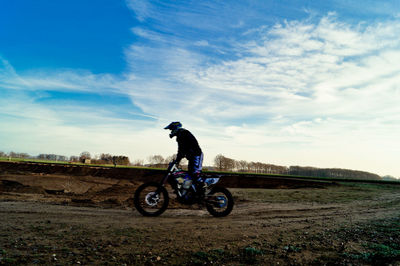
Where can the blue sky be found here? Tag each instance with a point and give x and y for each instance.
(312, 83)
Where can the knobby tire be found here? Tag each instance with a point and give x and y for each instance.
(213, 210)
(138, 200)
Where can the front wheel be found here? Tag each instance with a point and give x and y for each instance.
(219, 202)
(151, 199)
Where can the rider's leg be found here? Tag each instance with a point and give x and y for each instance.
(194, 168)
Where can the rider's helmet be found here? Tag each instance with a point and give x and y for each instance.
(174, 127)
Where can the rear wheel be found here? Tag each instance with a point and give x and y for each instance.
(219, 202)
(151, 199)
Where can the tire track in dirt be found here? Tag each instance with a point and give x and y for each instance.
(272, 226)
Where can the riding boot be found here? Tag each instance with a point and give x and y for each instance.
(200, 187)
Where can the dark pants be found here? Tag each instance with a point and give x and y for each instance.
(195, 166)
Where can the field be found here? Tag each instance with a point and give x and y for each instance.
(64, 218)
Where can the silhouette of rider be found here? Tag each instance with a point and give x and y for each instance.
(188, 148)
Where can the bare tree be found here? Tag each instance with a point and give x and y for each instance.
(138, 162)
(62, 158)
(85, 155)
(224, 163)
(24, 155)
(120, 160)
(219, 162)
(170, 158)
(106, 158)
(242, 166)
(156, 159)
(74, 158)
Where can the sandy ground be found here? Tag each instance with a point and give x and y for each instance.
(79, 220)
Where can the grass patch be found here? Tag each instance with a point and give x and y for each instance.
(250, 255)
(344, 193)
(380, 241)
(129, 232)
(4, 259)
(377, 253)
(244, 255)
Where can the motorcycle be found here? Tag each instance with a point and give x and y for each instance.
(152, 198)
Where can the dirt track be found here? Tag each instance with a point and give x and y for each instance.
(347, 223)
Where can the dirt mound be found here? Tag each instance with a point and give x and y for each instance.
(14, 186)
(352, 224)
(69, 190)
(137, 174)
(107, 187)
(143, 175)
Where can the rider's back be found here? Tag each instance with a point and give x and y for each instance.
(187, 143)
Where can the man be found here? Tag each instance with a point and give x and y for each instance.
(188, 148)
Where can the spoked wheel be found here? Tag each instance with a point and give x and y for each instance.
(151, 199)
(219, 202)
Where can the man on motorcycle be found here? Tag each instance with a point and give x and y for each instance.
(188, 148)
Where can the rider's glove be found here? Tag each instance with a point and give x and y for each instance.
(173, 162)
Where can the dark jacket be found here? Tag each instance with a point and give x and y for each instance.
(187, 145)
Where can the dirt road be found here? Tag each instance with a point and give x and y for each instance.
(348, 223)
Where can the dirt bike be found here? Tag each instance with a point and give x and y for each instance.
(152, 198)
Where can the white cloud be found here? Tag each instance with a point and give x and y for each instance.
(319, 93)
(332, 85)
(56, 80)
(142, 8)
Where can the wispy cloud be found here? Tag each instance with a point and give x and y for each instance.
(315, 91)
(142, 8)
(322, 83)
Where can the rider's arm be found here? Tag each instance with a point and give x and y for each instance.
(181, 147)
(180, 156)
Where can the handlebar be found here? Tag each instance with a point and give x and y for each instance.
(171, 166)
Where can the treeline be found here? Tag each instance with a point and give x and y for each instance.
(104, 158)
(99, 159)
(223, 163)
(23, 155)
(332, 173)
(84, 157)
(14, 155)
